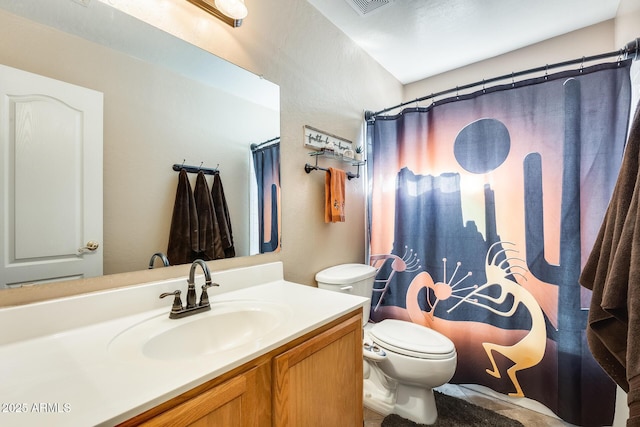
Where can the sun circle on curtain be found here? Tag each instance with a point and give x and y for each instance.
(482, 146)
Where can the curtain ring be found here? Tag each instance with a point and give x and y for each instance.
(484, 90)
(546, 71)
(582, 64)
(513, 81)
(457, 97)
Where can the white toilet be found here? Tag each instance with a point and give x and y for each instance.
(403, 361)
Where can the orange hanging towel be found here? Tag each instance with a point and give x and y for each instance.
(334, 195)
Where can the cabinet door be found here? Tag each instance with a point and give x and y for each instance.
(319, 382)
(242, 401)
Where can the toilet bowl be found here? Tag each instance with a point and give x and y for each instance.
(403, 361)
(413, 360)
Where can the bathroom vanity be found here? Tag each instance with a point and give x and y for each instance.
(317, 378)
(115, 357)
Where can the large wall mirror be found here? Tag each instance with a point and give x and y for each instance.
(165, 102)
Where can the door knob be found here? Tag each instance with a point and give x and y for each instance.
(91, 246)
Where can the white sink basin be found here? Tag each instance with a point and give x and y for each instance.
(229, 325)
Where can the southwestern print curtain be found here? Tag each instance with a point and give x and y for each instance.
(483, 209)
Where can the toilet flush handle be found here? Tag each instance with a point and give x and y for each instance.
(346, 288)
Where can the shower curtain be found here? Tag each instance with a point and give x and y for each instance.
(266, 162)
(483, 209)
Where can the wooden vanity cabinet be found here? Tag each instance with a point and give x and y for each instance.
(242, 401)
(319, 382)
(315, 380)
(240, 398)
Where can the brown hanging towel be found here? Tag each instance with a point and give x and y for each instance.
(612, 272)
(183, 234)
(210, 246)
(222, 215)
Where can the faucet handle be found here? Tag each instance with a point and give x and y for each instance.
(177, 302)
(204, 296)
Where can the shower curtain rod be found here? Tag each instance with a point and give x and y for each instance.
(630, 51)
(268, 141)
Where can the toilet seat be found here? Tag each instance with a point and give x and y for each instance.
(412, 340)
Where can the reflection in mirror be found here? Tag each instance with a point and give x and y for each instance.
(165, 102)
(266, 163)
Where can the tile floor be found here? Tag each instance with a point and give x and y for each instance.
(477, 396)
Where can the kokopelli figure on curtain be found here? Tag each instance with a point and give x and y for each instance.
(529, 350)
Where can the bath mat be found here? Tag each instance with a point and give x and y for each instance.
(454, 412)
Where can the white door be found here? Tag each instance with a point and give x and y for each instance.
(50, 180)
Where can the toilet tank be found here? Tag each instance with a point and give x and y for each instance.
(356, 279)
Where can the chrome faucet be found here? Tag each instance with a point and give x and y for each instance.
(177, 310)
(163, 257)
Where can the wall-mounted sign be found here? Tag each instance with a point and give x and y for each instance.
(319, 140)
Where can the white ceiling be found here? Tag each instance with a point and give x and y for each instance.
(416, 39)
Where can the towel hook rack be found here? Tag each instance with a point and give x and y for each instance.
(195, 169)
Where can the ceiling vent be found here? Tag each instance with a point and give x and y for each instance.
(364, 7)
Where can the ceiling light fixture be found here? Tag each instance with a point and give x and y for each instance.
(232, 8)
(231, 12)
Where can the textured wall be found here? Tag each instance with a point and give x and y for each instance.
(588, 41)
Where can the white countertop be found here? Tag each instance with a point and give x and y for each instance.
(56, 368)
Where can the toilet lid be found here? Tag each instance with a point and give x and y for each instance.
(345, 274)
(411, 339)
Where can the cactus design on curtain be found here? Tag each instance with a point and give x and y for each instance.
(483, 209)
